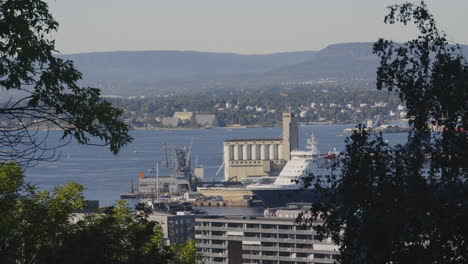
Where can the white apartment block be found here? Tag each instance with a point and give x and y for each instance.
(271, 239)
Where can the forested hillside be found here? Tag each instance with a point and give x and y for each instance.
(137, 73)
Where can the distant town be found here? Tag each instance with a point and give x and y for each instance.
(259, 108)
(251, 108)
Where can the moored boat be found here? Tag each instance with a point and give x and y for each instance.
(296, 181)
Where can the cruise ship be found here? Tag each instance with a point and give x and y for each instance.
(290, 185)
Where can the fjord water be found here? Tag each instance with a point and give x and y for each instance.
(105, 175)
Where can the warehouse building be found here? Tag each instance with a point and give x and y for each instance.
(254, 157)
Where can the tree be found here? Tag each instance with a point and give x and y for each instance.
(383, 209)
(187, 253)
(32, 222)
(36, 228)
(115, 235)
(39, 90)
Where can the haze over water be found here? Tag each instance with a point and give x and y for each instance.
(105, 176)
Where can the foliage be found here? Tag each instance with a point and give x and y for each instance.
(42, 90)
(383, 209)
(32, 222)
(115, 235)
(187, 253)
(38, 227)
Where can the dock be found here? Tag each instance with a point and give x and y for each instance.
(227, 193)
(239, 203)
(141, 195)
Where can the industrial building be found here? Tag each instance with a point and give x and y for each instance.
(255, 157)
(274, 239)
(206, 120)
(184, 116)
(153, 186)
(178, 161)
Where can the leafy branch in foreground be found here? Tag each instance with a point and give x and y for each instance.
(40, 91)
(408, 204)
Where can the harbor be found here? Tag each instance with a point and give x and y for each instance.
(245, 161)
(107, 176)
(257, 172)
(240, 132)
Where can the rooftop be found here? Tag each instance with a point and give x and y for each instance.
(238, 217)
(183, 115)
(253, 139)
(205, 119)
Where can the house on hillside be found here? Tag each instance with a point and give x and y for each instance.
(206, 120)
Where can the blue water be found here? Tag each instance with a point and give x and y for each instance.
(105, 176)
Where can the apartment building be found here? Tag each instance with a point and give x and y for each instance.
(274, 238)
(177, 227)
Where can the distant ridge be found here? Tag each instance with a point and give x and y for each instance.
(345, 61)
(133, 73)
(151, 65)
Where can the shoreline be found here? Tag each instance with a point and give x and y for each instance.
(225, 127)
(204, 128)
(240, 127)
(236, 127)
(248, 126)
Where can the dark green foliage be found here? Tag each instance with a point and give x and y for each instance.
(44, 89)
(116, 236)
(37, 227)
(32, 222)
(384, 210)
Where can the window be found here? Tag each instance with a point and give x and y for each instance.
(322, 256)
(268, 244)
(235, 225)
(216, 224)
(286, 245)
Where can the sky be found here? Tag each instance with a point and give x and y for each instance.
(239, 26)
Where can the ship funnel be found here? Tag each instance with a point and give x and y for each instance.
(140, 175)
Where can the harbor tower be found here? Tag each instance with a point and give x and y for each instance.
(290, 134)
(255, 157)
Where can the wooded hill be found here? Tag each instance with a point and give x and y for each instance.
(136, 73)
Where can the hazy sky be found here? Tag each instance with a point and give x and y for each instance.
(242, 26)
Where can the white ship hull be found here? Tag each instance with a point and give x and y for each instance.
(287, 187)
(280, 197)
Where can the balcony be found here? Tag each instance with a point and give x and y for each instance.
(217, 255)
(222, 246)
(207, 228)
(200, 236)
(216, 262)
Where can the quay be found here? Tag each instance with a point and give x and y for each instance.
(229, 203)
(237, 203)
